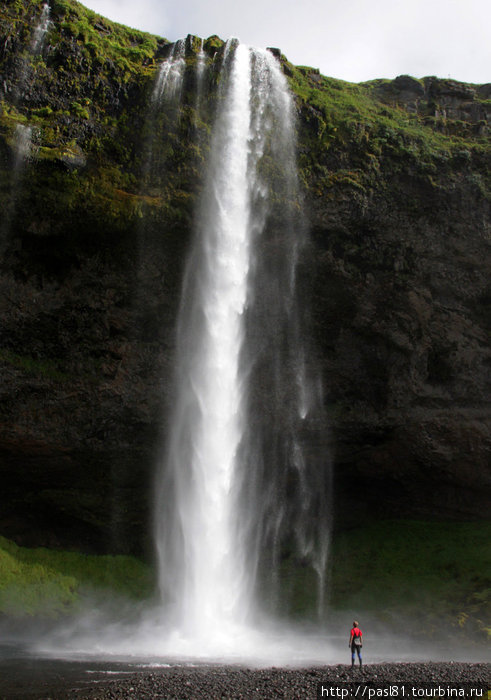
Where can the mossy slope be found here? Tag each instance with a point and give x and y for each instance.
(47, 583)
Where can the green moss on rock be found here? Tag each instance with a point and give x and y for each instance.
(48, 583)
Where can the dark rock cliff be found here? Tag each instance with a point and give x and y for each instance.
(401, 229)
(396, 280)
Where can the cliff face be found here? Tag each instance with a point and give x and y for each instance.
(396, 280)
(401, 224)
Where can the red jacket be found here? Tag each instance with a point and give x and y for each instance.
(356, 632)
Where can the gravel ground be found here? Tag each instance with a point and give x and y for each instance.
(217, 682)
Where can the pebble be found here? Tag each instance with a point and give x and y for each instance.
(234, 683)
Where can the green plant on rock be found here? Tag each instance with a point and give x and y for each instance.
(50, 583)
(45, 368)
(79, 110)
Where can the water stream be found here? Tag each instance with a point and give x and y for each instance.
(162, 119)
(169, 81)
(200, 75)
(201, 557)
(40, 31)
(23, 135)
(22, 148)
(222, 497)
(242, 495)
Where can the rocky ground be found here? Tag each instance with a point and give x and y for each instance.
(413, 679)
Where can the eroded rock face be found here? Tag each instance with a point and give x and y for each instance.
(439, 98)
(402, 290)
(396, 282)
(400, 313)
(82, 400)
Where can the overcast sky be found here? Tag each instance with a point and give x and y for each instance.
(353, 40)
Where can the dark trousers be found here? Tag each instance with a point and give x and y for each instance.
(357, 649)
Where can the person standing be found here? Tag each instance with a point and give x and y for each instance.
(355, 643)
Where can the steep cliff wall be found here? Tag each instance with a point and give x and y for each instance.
(399, 202)
(396, 279)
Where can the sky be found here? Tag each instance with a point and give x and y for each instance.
(353, 40)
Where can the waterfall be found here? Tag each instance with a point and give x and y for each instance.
(22, 151)
(169, 82)
(25, 69)
(163, 116)
(22, 148)
(207, 566)
(40, 30)
(22, 138)
(200, 73)
(223, 514)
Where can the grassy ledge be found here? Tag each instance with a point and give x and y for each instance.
(46, 583)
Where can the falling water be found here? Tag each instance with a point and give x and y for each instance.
(40, 30)
(169, 80)
(22, 151)
(222, 497)
(206, 565)
(22, 148)
(26, 70)
(22, 142)
(163, 115)
(200, 73)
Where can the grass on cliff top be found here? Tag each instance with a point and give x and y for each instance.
(48, 583)
(129, 49)
(355, 112)
(103, 41)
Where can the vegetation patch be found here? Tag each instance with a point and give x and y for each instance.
(434, 576)
(103, 40)
(437, 575)
(45, 368)
(377, 127)
(49, 583)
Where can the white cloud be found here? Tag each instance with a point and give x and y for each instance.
(147, 15)
(349, 39)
